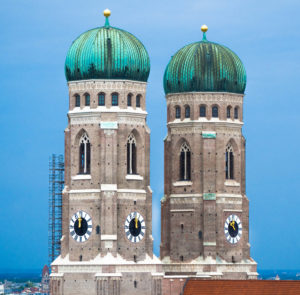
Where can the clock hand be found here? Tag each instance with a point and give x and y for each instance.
(232, 224)
(79, 222)
(136, 222)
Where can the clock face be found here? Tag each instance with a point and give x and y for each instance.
(233, 229)
(81, 226)
(135, 227)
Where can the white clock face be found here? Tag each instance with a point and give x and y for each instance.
(81, 226)
(233, 229)
(135, 227)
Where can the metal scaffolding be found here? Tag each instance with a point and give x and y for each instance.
(56, 185)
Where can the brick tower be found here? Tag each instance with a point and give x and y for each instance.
(106, 246)
(205, 211)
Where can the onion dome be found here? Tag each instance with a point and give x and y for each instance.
(107, 53)
(205, 66)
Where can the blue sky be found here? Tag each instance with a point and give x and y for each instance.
(35, 37)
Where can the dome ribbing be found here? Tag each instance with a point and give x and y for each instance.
(107, 53)
(205, 66)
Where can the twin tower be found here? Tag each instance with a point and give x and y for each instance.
(107, 243)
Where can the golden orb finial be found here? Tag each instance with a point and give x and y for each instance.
(204, 28)
(106, 12)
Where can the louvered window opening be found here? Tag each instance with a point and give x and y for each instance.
(177, 112)
(229, 163)
(87, 99)
(114, 99)
(129, 100)
(202, 111)
(187, 112)
(131, 155)
(77, 100)
(185, 162)
(84, 155)
(138, 101)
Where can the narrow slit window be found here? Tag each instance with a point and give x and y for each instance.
(84, 155)
(101, 99)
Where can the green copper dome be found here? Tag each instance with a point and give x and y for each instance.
(205, 66)
(107, 53)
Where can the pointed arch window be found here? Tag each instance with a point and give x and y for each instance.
(215, 112)
(84, 155)
(87, 99)
(129, 100)
(229, 162)
(131, 155)
(236, 113)
(138, 101)
(177, 112)
(185, 162)
(101, 99)
(228, 112)
(114, 99)
(187, 111)
(77, 100)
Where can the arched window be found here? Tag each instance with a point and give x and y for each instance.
(236, 113)
(129, 99)
(229, 162)
(131, 154)
(215, 112)
(98, 229)
(228, 112)
(177, 112)
(84, 155)
(138, 101)
(185, 162)
(114, 99)
(187, 112)
(101, 99)
(77, 100)
(87, 99)
(202, 111)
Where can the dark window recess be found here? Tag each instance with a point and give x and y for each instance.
(77, 100)
(202, 111)
(228, 112)
(80, 258)
(187, 112)
(101, 99)
(215, 112)
(181, 228)
(133, 159)
(138, 101)
(181, 258)
(81, 158)
(129, 98)
(188, 154)
(114, 99)
(87, 99)
(88, 158)
(181, 168)
(177, 112)
(200, 235)
(229, 165)
(236, 113)
(98, 230)
(134, 258)
(135, 284)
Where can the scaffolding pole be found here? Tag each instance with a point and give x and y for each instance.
(56, 185)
